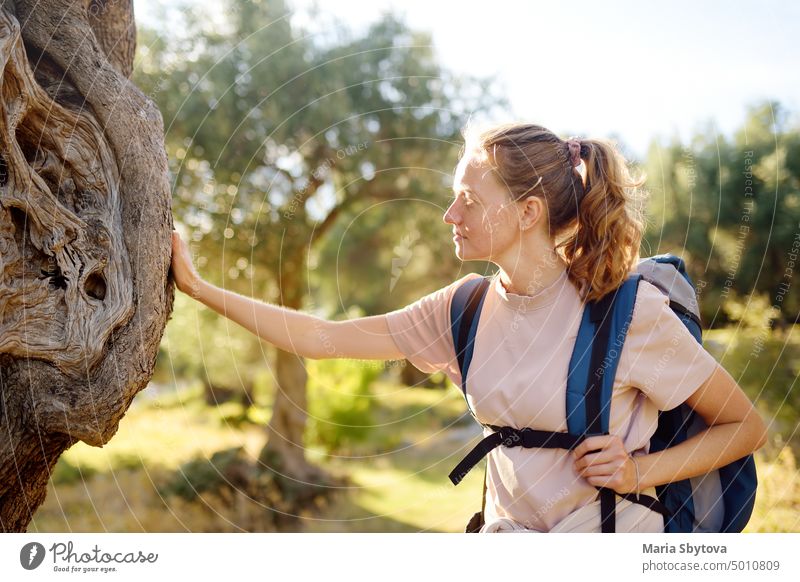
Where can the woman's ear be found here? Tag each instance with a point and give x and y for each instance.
(531, 211)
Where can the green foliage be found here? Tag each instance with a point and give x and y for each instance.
(226, 469)
(731, 207)
(778, 494)
(67, 473)
(200, 344)
(271, 130)
(340, 403)
(754, 312)
(766, 365)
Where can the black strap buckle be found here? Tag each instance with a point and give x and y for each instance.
(510, 436)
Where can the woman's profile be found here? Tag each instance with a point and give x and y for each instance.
(559, 238)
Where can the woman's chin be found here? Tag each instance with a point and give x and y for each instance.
(461, 253)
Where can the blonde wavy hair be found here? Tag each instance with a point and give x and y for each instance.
(597, 225)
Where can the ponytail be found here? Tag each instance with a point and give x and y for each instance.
(603, 248)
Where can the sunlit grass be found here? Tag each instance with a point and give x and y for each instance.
(778, 497)
(399, 479)
(166, 432)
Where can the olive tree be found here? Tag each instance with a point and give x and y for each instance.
(85, 221)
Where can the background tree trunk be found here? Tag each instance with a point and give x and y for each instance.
(284, 453)
(85, 221)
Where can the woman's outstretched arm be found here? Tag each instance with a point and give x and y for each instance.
(365, 338)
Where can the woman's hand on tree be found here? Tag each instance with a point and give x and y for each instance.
(185, 275)
(603, 461)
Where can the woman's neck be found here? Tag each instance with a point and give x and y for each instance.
(529, 279)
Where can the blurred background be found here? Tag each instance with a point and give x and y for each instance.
(311, 149)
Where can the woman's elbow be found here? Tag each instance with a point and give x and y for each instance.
(758, 429)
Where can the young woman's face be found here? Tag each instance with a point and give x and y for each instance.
(483, 215)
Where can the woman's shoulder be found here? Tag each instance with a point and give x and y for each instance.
(660, 355)
(651, 313)
(470, 276)
(649, 300)
(455, 285)
(449, 291)
(441, 297)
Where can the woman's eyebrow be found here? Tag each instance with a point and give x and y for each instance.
(466, 189)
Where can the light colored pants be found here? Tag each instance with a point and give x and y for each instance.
(630, 517)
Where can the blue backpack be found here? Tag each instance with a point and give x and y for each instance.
(719, 501)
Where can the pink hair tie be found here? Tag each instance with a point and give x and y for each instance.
(574, 146)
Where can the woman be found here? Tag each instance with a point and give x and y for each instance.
(559, 238)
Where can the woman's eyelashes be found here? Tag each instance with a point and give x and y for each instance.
(468, 199)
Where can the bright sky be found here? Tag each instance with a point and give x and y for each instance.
(624, 68)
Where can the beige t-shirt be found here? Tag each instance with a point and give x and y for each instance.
(518, 377)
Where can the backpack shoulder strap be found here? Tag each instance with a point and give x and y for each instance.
(592, 370)
(465, 309)
(595, 358)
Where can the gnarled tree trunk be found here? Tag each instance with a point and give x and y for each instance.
(85, 221)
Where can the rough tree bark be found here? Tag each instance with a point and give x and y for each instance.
(85, 221)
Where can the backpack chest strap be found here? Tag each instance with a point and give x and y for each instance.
(512, 437)
(531, 438)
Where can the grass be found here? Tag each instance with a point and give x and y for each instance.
(778, 497)
(400, 480)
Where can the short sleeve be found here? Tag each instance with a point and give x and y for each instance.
(660, 356)
(421, 331)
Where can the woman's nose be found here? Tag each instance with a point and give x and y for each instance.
(451, 217)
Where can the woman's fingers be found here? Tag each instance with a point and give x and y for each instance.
(611, 475)
(604, 456)
(603, 461)
(608, 468)
(598, 458)
(594, 443)
(180, 248)
(610, 449)
(620, 478)
(183, 270)
(177, 241)
(599, 470)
